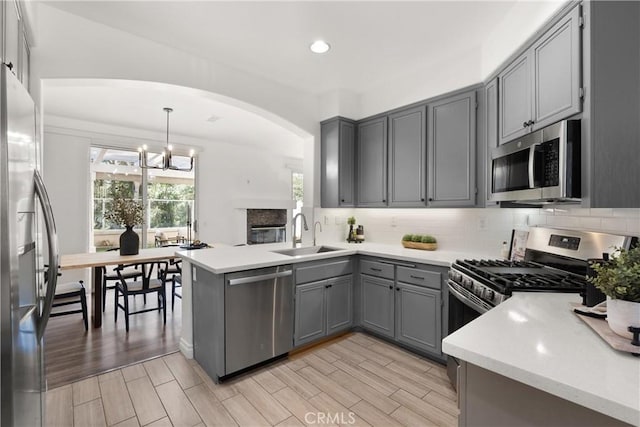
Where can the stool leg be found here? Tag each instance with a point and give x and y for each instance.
(83, 303)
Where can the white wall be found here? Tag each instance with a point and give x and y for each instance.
(224, 173)
(473, 230)
(66, 174)
(228, 173)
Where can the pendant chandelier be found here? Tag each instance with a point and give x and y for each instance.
(166, 162)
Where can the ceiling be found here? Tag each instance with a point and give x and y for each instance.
(373, 42)
(139, 105)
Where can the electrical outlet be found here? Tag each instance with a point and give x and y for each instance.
(482, 223)
(394, 221)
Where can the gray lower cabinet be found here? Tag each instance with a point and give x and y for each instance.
(403, 302)
(337, 163)
(452, 151)
(371, 149)
(377, 304)
(407, 158)
(322, 308)
(418, 321)
(542, 86)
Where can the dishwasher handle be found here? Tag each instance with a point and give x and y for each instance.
(259, 278)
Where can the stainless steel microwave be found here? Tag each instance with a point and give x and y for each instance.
(541, 167)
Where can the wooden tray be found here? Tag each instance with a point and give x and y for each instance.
(422, 246)
(601, 327)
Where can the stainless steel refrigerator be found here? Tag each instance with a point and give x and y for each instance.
(25, 297)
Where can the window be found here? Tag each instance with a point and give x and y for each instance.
(298, 196)
(168, 200)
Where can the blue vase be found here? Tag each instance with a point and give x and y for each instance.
(129, 242)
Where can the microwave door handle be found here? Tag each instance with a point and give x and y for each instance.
(52, 241)
(531, 170)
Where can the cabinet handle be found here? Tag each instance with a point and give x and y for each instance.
(525, 124)
(531, 122)
(10, 66)
(376, 269)
(397, 289)
(391, 287)
(384, 200)
(416, 277)
(342, 200)
(422, 199)
(431, 199)
(328, 286)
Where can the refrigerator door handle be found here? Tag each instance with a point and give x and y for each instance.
(52, 240)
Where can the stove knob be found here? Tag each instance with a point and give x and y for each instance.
(467, 283)
(489, 294)
(457, 276)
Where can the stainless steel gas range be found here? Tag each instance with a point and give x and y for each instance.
(555, 261)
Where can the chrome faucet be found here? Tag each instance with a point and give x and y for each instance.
(304, 224)
(314, 231)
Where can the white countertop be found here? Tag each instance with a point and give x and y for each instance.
(536, 339)
(226, 259)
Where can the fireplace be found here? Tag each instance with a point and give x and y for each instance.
(266, 226)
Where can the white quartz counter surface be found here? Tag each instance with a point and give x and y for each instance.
(536, 339)
(226, 259)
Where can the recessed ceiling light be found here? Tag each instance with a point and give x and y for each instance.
(319, 46)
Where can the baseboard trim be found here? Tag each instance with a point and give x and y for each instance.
(186, 348)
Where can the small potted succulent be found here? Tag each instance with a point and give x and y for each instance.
(351, 237)
(419, 241)
(619, 280)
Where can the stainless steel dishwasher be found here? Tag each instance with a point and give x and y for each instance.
(258, 316)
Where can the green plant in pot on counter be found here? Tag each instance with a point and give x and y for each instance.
(619, 280)
(351, 237)
(407, 237)
(416, 238)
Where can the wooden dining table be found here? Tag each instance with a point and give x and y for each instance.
(97, 260)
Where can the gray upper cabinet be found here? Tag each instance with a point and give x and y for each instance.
(491, 91)
(407, 158)
(371, 152)
(418, 317)
(337, 163)
(452, 151)
(557, 73)
(542, 86)
(515, 99)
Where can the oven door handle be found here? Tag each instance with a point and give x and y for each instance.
(466, 301)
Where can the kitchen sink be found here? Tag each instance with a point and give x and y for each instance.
(309, 250)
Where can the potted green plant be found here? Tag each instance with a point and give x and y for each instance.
(619, 280)
(351, 237)
(128, 213)
(419, 241)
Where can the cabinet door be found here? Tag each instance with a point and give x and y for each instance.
(557, 73)
(12, 40)
(372, 163)
(418, 317)
(377, 304)
(452, 151)
(407, 158)
(339, 304)
(491, 91)
(515, 99)
(337, 163)
(310, 312)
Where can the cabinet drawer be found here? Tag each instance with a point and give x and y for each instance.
(377, 269)
(324, 270)
(419, 277)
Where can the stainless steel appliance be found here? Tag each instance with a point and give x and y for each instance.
(541, 167)
(258, 316)
(555, 261)
(25, 299)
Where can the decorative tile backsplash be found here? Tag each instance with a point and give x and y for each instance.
(473, 230)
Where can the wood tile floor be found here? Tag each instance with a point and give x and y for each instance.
(353, 380)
